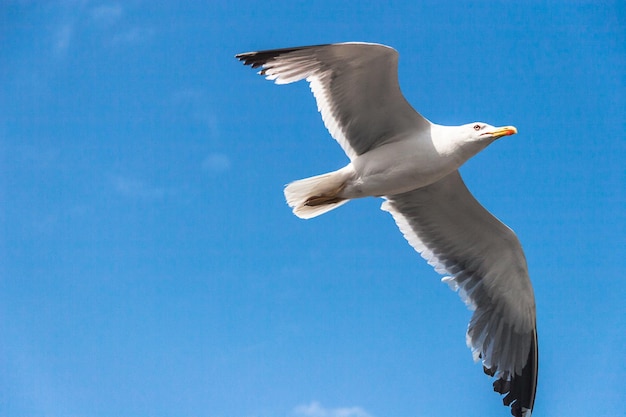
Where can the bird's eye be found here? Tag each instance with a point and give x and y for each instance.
(476, 127)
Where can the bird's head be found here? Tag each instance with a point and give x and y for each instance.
(482, 132)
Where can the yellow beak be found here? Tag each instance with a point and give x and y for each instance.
(503, 131)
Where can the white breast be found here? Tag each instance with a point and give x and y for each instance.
(402, 166)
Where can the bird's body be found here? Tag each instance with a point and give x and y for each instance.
(418, 161)
(397, 154)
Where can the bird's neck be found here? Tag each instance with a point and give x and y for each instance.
(453, 142)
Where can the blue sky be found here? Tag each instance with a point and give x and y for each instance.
(150, 267)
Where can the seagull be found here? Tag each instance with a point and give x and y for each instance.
(397, 154)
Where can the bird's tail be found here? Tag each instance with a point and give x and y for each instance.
(314, 196)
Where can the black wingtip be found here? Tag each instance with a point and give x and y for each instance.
(520, 389)
(259, 58)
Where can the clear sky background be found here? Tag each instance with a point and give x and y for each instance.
(150, 267)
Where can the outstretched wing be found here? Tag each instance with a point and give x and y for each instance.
(356, 88)
(486, 264)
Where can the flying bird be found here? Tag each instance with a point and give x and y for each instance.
(397, 154)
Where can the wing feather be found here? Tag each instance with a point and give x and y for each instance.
(486, 264)
(355, 86)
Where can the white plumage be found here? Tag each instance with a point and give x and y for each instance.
(397, 154)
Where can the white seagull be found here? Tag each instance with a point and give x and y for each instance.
(397, 154)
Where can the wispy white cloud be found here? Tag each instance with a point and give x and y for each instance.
(133, 35)
(65, 17)
(62, 38)
(216, 163)
(187, 96)
(110, 17)
(199, 105)
(315, 409)
(135, 188)
(107, 13)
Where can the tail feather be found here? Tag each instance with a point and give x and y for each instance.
(314, 196)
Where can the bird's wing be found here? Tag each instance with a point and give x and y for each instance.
(486, 264)
(356, 88)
